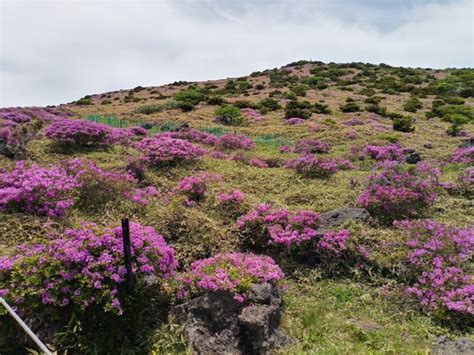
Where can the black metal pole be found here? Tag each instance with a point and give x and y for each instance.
(127, 253)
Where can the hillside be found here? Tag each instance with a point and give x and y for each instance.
(308, 136)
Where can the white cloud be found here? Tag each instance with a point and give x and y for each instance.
(57, 51)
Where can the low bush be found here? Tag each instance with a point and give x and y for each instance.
(312, 166)
(81, 269)
(349, 106)
(229, 115)
(403, 124)
(299, 109)
(413, 104)
(232, 272)
(438, 258)
(463, 155)
(267, 105)
(391, 152)
(234, 141)
(190, 96)
(79, 133)
(194, 187)
(47, 191)
(395, 192)
(312, 146)
(162, 151)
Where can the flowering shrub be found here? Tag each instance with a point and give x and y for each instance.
(466, 182)
(15, 115)
(234, 197)
(250, 113)
(36, 190)
(141, 196)
(312, 166)
(397, 193)
(463, 155)
(285, 149)
(390, 152)
(82, 268)
(294, 121)
(96, 185)
(232, 272)
(235, 141)
(438, 255)
(311, 146)
(195, 186)
(231, 203)
(79, 133)
(165, 151)
(267, 226)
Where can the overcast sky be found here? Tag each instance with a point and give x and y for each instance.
(54, 52)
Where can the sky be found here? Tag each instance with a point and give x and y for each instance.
(55, 52)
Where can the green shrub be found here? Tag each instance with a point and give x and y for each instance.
(299, 89)
(259, 87)
(375, 100)
(300, 109)
(403, 124)
(185, 106)
(413, 104)
(192, 96)
(457, 121)
(229, 115)
(350, 106)
(86, 100)
(215, 100)
(268, 105)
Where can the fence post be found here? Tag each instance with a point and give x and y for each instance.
(127, 253)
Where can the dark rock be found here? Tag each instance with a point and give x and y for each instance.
(413, 158)
(182, 127)
(264, 294)
(338, 216)
(216, 324)
(467, 143)
(223, 120)
(428, 145)
(408, 151)
(444, 346)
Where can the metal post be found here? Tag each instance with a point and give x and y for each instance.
(127, 253)
(25, 327)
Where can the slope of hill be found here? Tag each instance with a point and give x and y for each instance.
(307, 136)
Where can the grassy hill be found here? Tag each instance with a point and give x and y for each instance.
(332, 304)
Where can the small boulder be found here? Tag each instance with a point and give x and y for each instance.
(413, 158)
(444, 346)
(217, 324)
(338, 216)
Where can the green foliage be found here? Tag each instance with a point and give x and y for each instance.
(267, 105)
(403, 124)
(299, 89)
(192, 96)
(86, 100)
(349, 106)
(215, 100)
(229, 115)
(413, 104)
(300, 109)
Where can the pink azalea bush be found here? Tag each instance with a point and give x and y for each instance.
(47, 191)
(267, 226)
(165, 151)
(234, 141)
(438, 256)
(96, 185)
(391, 152)
(194, 187)
(312, 146)
(463, 155)
(312, 166)
(231, 272)
(251, 114)
(395, 192)
(82, 268)
(294, 121)
(79, 133)
(14, 114)
(233, 197)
